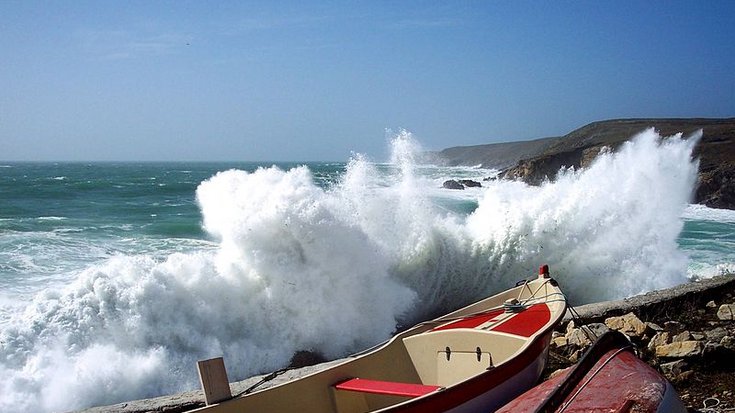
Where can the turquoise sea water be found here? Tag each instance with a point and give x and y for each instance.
(57, 218)
(121, 275)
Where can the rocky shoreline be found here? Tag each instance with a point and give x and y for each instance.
(535, 161)
(686, 332)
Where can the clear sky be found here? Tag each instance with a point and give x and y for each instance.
(270, 81)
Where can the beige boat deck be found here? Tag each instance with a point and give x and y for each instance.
(430, 356)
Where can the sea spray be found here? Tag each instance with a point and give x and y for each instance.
(609, 231)
(298, 266)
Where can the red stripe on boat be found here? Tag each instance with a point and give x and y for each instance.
(386, 387)
(527, 322)
(472, 322)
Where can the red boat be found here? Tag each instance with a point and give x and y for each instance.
(609, 378)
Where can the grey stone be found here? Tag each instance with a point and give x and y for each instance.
(674, 368)
(583, 336)
(674, 327)
(715, 335)
(659, 340)
(653, 326)
(728, 342)
(628, 324)
(452, 184)
(726, 312)
(470, 183)
(680, 349)
(683, 336)
(711, 348)
(560, 341)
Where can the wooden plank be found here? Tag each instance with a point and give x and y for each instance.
(213, 378)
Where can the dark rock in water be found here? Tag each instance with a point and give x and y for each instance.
(452, 184)
(468, 183)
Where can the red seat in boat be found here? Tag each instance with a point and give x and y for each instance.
(386, 387)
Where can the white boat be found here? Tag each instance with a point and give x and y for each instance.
(471, 360)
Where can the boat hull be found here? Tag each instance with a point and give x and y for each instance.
(617, 381)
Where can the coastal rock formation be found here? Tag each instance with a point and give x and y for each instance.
(461, 184)
(452, 184)
(468, 183)
(538, 160)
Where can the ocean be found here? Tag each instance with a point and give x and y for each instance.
(115, 278)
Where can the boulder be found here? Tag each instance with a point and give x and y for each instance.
(468, 183)
(627, 324)
(728, 342)
(683, 336)
(583, 336)
(711, 304)
(715, 335)
(452, 184)
(680, 349)
(560, 341)
(654, 327)
(659, 340)
(674, 327)
(712, 349)
(673, 369)
(726, 312)
(684, 377)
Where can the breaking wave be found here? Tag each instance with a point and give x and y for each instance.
(297, 266)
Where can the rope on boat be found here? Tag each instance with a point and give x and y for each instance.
(591, 336)
(262, 381)
(513, 306)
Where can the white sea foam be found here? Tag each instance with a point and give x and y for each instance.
(334, 270)
(703, 213)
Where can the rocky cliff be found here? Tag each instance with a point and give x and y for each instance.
(537, 160)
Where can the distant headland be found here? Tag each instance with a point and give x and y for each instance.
(536, 160)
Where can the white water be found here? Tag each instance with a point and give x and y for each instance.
(300, 267)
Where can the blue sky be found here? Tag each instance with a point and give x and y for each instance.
(270, 81)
